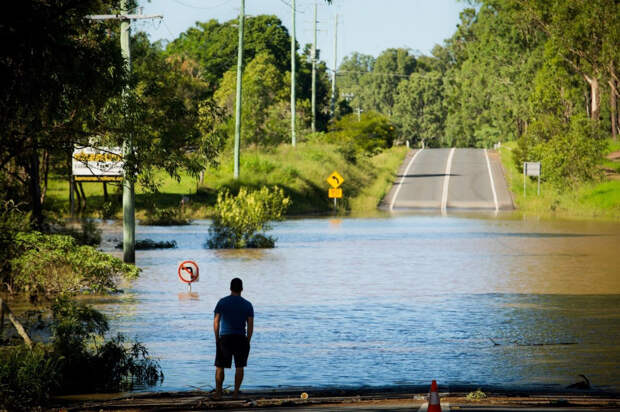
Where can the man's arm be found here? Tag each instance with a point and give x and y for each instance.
(250, 327)
(216, 326)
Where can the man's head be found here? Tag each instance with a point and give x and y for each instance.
(236, 285)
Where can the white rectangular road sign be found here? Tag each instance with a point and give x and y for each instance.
(91, 161)
(531, 168)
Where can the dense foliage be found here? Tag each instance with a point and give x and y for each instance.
(242, 220)
(541, 72)
(77, 360)
(49, 265)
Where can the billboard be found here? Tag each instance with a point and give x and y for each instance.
(91, 164)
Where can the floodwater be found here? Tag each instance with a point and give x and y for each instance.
(390, 301)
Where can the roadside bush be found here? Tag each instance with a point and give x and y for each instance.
(12, 221)
(28, 377)
(370, 134)
(240, 221)
(88, 362)
(172, 216)
(569, 152)
(88, 233)
(49, 265)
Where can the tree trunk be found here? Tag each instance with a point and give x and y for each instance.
(76, 190)
(46, 169)
(105, 192)
(83, 194)
(18, 326)
(35, 189)
(595, 97)
(613, 105)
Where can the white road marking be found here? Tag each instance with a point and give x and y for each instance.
(445, 407)
(402, 179)
(492, 181)
(446, 182)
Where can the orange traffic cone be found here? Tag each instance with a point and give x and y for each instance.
(433, 399)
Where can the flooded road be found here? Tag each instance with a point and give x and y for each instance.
(390, 301)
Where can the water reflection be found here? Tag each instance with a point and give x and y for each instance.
(391, 301)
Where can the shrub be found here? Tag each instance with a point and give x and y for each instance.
(172, 216)
(28, 377)
(238, 220)
(78, 360)
(87, 234)
(370, 134)
(569, 152)
(478, 395)
(88, 363)
(12, 221)
(49, 265)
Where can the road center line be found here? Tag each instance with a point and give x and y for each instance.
(492, 181)
(446, 182)
(402, 179)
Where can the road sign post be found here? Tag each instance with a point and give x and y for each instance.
(335, 181)
(531, 169)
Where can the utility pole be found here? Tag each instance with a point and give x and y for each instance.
(239, 80)
(314, 73)
(333, 99)
(129, 215)
(293, 114)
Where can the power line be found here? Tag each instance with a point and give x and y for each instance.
(373, 73)
(199, 7)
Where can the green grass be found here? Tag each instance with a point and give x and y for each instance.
(590, 200)
(301, 171)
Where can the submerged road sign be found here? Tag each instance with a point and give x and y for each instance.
(188, 271)
(335, 180)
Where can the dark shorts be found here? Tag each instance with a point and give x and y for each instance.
(229, 346)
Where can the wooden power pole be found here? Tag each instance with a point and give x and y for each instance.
(129, 213)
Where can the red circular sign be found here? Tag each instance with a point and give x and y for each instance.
(188, 271)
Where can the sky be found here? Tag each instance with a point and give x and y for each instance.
(365, 26)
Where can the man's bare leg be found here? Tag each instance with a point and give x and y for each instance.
(219, 380)
(238, 380)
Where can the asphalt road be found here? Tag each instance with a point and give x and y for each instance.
(450, 179)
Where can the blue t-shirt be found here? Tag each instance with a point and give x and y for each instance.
(234, 312)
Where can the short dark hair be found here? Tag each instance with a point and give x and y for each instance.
(236, 285)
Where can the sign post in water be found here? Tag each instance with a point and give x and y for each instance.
(188, 273)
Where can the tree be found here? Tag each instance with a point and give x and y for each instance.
(419, 110)
(57, 69)
(213, 45)
(263, 86)
(585, 34)
(391, 67)
(352, 71)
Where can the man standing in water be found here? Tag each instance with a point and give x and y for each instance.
(231, 315)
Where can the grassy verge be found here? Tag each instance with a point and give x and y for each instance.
(590, 200)
(300, 171)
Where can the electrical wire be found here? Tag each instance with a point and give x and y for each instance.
(199, 7)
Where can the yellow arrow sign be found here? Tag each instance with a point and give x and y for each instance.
(335, 180)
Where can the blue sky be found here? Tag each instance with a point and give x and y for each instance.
(365, 26)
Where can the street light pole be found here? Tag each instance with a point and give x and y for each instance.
(238, 99)
(293, 113)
